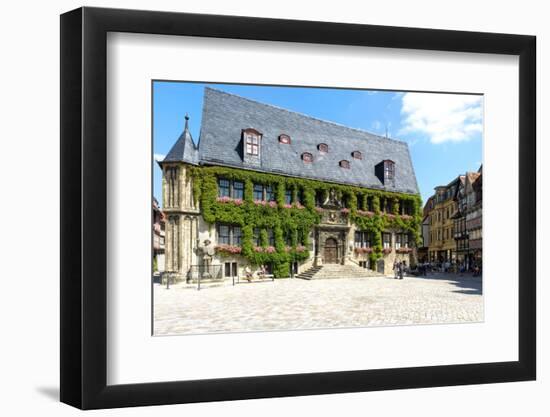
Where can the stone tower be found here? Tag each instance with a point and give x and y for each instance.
(182, 215)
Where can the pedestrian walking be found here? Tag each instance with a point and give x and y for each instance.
(395, 269)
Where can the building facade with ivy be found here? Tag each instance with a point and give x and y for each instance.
(269, 187)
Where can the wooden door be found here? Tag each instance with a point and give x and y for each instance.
(331, 251)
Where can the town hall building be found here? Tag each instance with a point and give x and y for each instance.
(268, 188)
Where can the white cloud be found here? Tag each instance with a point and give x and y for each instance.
(159, 156)
(442, 117)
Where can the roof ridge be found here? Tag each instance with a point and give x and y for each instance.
(375, 136)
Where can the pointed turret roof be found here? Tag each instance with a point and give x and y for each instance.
(184, 149)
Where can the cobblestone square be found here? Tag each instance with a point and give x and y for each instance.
(294, 304)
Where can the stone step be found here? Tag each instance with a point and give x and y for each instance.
(309, 273)
(337, 271)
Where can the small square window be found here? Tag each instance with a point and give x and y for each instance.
(288, 196)
(256, 236)
(223, 234)
(386, 240)
(258, 192)
(270, 237)
(238, 190)
(269, 194)
(223, 188)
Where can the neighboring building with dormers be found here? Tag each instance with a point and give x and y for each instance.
(268, 186)
(442, 246)
(454, 219)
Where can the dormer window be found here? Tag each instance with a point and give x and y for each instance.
(385, 171)
(323, 147)
(252, 141)
(284, 138)
(307, 157)
(357, 155)
(389, 170)
(344, 164)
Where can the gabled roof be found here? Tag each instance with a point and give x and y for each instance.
(428, 206)
(472, 176)
(226, 115)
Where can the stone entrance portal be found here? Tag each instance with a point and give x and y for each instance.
(331, 251)
(331, 234)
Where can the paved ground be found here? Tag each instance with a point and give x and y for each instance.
(297, 304)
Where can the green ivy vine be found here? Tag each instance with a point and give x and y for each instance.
(293, 224)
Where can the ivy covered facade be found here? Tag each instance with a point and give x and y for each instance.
(269, 187)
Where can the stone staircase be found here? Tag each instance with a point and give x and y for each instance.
(337, 271)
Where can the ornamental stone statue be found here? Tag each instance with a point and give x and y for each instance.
(332, 200)
(207, 250)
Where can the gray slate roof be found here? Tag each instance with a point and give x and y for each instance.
(184, 149)
(225, 115)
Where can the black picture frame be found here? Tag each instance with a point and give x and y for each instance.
(84, 207)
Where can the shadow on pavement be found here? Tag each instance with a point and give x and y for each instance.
(467, 283)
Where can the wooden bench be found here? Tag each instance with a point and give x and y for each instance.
(255, 278)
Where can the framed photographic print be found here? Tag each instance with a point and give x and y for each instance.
(256, 208)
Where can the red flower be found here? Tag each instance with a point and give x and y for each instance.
(365, 213)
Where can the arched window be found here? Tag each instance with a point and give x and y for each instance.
(323, 147)
(357, 155)
(307, 157)
(284, 138)
(344, 164)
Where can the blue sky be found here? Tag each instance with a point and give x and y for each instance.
(444, 131)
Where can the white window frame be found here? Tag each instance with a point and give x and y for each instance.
(252, 144)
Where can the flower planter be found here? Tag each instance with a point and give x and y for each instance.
(363, 250)
(228, 249)
(365, 213)
(225, 200)
(404, 250)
